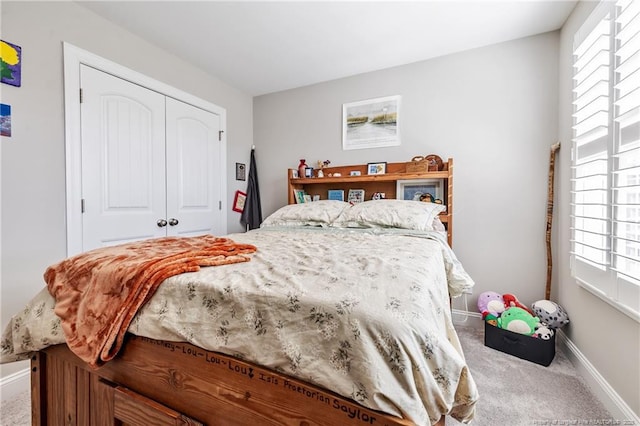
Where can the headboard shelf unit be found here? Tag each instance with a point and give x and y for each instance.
(385, 183)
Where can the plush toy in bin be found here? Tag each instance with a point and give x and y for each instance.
(550, 313)
(490, 302)
(511, 300)
(519, 321)
(543, 332)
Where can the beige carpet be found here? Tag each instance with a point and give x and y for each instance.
(513, 392)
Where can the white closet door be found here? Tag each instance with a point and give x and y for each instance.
(123, 160)
(193, 170)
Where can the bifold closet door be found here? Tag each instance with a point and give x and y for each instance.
(123, 160)
(193, 170)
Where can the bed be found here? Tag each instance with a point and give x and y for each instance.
(341, 316)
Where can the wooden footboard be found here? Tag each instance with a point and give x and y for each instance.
(156, 382)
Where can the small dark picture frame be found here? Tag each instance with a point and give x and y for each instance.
(377, 168)
(238, 201)
(241, 171)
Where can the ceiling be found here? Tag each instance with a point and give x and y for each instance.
(266, 46)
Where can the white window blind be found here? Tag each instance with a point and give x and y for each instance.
(605, 190)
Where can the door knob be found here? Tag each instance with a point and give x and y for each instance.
(173, 221)
(161, 223)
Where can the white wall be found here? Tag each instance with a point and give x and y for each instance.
(493, 109)
(33, 169)
(607, 337)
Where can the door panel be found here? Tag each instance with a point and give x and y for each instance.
(123, 160)
(193, 170)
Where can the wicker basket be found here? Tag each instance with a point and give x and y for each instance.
(420, 164)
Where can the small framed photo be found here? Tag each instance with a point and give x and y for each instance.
(298, 194)
(356, 196)
(295, 174)
(419, 189)
(307, 198)
(336, 194)
(376, 168)
(238, 201)
(241, 171)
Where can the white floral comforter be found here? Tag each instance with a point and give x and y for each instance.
(364, 313)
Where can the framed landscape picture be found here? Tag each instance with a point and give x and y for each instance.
(372, 123)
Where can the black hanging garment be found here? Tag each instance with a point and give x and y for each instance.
(252, 214)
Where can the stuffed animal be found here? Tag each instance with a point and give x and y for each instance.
(519, 321)
(550, 313)
(490, 302)
(543, 332)
(511, 300)
(491, 319)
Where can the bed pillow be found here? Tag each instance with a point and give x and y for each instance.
(404, 214)
(316, 213)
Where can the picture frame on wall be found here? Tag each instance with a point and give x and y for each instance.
(416, 188)
(239, 201)
(372, 123)
(241, 171)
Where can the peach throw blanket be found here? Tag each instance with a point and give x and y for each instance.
(99, 292)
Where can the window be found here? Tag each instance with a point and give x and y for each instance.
(605, 188)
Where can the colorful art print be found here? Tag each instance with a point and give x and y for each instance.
(239, 201)
(356, 196)
(5, 120)
(376, 168)
(336, 194)
(10, 63)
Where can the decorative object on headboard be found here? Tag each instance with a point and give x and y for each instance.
(429, 163)
(338, 180)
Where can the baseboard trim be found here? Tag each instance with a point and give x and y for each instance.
(618, 408)
(15, 383)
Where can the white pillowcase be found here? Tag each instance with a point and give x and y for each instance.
(404, 214)
(316, 213)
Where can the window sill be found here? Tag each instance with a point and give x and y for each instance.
(622, 308)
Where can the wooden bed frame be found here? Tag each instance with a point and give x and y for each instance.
(153, 382)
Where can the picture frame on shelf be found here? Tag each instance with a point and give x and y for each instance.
(298, 195)
(335, 194)
(239, 201)
(356, 196)
(295, 174)
(377, 168)
(307, 198)
(415, 188)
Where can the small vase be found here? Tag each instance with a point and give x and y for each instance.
(301, 168)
